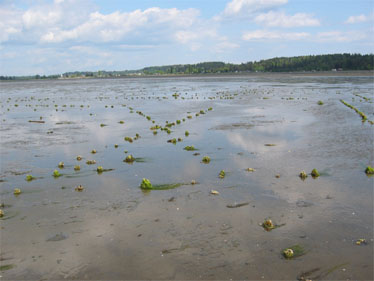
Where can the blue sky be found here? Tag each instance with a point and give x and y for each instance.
(52, 37)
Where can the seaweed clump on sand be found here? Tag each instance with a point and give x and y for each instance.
(30, 177)
(173, 141)
(189, 148)
(293, 252)
(303, 175)
(129, 159)
(17, 191)
(206, 159)
(361, 241)
(222, 174)
(315, 173)
(288, 253)
(146, 184)
(56, 173)
(369, 170)
(79, 188)
(268, 224)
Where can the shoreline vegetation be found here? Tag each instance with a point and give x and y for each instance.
(334, 64)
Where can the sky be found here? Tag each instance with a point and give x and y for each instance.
(53, 37)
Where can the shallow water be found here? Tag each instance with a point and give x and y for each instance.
(114, 230)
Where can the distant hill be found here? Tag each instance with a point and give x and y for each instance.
(283, 64)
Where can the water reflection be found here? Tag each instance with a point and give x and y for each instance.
(115, 230)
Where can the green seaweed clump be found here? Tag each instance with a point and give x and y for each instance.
(17, 191)
(303, 175)
(129, 159)
(293, 252)
(129, 139)
(361, 241)
(178, 122)
(61, 165)
(222, 174)
(6, 267)
(116, 146)
(79, 188)
(186, 133)
(121, 122)
(146, 184)
(79, 158)
(268, 224)
(90, 162)
(56, 173)
(369, 170)
(29, 177)
(77, 168)
(288, 253)
(100, 169)
(173, 141)
(320, 102)
(93, 151)
(1, 213)
(315, 173)
(206, 159)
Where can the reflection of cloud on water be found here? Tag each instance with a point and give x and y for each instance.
(191, 170)
(253, 143)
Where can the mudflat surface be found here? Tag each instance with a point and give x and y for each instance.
(112, 229)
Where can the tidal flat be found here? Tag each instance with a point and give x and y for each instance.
(95, 222)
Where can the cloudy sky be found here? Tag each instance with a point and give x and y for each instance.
(51, 37)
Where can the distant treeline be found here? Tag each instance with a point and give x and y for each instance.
(284, 64)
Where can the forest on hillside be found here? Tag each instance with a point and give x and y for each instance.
(282, 64)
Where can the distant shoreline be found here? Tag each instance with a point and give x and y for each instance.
(353, 73)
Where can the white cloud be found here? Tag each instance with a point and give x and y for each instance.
(187, 36)
(236, 7)
(88, 50)
(357, 19)
(9, 23)
(341, 36)
(115, 26)
(258, 35)
(280, 19)
(77, 20)
(224, 46)
(40, 18)
(328, 36)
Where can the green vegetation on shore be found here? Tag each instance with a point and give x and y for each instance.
(335, 62)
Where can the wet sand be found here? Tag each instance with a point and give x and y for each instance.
(114, 230)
